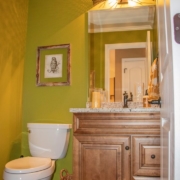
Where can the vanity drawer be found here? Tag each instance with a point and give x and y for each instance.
(146, 155)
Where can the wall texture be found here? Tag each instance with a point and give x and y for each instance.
(13, 25)
(51, 23)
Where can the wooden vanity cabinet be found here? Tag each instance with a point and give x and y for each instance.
(116, 146)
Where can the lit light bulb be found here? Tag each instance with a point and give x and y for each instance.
(112, 1)
(131, 3)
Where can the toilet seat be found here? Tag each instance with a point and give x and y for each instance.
(27, 165)
(33, 175)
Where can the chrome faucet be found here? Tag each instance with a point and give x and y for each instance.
(126, 99)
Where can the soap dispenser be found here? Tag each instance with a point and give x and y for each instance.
(145, 100)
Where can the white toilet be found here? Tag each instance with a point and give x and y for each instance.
(47, 142)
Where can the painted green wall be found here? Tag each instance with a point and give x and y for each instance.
(13, 25)
(51, 23)
(97, 49)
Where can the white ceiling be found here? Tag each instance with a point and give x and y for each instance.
(121, 19)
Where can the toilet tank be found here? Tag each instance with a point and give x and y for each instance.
(48, 140)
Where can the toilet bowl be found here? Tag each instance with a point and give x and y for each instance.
(49, 142)
(29, 168)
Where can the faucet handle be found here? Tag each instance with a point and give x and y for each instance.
(125, 93)
(131, 94)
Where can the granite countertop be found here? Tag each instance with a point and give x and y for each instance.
(113, 110)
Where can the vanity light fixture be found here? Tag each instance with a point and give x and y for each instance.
(122, 1)
(142, 2)
(125, 2)
(118, 1)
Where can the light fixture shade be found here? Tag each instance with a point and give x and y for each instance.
(118, 1)
(122, 1)
(97, 1)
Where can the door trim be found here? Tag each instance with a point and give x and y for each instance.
(109, 47)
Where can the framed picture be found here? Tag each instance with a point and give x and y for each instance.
(53, 65)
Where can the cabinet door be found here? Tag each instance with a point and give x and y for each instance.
(146, 155)
(101, 157)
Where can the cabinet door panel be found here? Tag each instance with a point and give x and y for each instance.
(98, 161)
(150, 156)
(146, 155)
(101, 157)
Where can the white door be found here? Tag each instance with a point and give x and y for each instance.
(133, 77)
(108, 49)
(169, 52)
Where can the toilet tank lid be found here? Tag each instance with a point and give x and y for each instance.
(49, 125)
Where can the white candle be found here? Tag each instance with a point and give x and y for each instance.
(96, 100)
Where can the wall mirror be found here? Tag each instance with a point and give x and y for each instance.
(123, 44)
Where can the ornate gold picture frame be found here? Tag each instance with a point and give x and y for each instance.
(53, 65)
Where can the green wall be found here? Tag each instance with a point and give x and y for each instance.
(51, 23)
(97, 49)
(13, 25)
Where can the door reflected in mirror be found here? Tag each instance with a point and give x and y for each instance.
(127, 68)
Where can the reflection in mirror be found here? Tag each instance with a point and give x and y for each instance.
(128, 72)
(120, 37)
(127, 69)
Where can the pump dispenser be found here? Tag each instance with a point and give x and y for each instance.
(145, 100)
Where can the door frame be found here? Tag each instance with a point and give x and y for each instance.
(109, 47)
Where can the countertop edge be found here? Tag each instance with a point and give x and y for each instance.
(113, 110)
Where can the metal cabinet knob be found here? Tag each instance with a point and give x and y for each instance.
(127, 147)
(153, 156)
